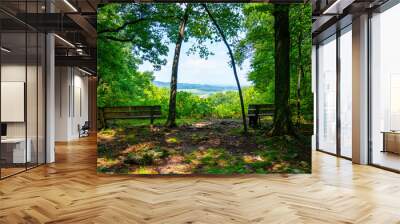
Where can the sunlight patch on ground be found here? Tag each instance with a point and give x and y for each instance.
(172, 140)
(202, 124)
(176, 165)
(104, 162)
(106, 135)
(138, 147)
(144, 170)
(252, 159)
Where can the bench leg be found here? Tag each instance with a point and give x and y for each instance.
(106, 123)
(253, 122)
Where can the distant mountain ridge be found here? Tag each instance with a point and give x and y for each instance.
(192, 86)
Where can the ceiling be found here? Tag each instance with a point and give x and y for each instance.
(73, 22)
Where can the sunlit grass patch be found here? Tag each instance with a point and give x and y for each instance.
(252, 158)
(172, 140)
(144, 170)
(106, 134)
(107, 162)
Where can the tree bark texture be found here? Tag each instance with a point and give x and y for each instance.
(282, 124)
(171, 120)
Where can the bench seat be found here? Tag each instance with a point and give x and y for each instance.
(256, 111)
(129, 112)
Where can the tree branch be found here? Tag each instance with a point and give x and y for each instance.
(118, 39)
(133, 22)
(114, 30)
(222, 34)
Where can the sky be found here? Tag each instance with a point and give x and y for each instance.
(193, 69)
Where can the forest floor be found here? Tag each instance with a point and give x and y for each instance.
(202, 147)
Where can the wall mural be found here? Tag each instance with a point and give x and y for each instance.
(190, 88)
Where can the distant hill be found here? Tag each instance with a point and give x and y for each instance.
(199, 89)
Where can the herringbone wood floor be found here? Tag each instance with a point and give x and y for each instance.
(70, 191)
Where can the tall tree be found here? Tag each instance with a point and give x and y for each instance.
(259, 45)
(282, 117)
(171, 120)
(233, 63)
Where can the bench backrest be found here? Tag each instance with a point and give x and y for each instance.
(261, 109)
(131, 112)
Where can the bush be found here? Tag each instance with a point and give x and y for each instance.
(217, 105)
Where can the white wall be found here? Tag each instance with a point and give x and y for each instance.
(62, 81)
(14, 72)
(314, 90)
(33, 127)
(71, 102)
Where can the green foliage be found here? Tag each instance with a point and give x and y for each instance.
(142, 26)
(120, 83)
(300, 30)
(217, 105)
(258, 45)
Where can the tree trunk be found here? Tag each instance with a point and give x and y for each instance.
(282, 124)
(221, 32)
(298, 104)
(299, 77)
(171, 121)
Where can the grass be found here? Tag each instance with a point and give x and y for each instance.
(219, 148)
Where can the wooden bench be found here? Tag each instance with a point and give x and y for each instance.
(129, 112)
(256, 111)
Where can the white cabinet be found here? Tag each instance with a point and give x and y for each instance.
(19, 155)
